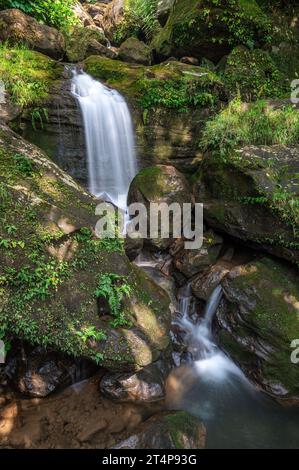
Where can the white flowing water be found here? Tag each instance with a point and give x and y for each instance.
(213, 388)
(109, 138)
(210, 362)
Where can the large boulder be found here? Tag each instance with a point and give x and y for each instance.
(48, 294)
(134, 51)
(258, 319)
(177, 430)
(83, 42)
(160, 184)
(17, 27)
(253, 196)
(198, 29)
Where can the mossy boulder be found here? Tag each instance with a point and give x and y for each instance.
(201, 28)
(16, 27)
(134, 51)
(176, 430)
(161, 184)
(48, 290)
(81, 42)
(253, 196)
(259, 318)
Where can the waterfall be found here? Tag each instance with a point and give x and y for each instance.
(109, 139)
(209, 361)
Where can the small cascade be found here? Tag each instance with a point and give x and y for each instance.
(109, 139)
(209, 361)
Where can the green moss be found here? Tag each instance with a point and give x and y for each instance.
(254, 74)
(27, 75)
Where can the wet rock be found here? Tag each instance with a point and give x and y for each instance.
(17, 27)
(204, 283)
(135, 51)
(177, 430)
(146, 386)
(40, 372)
(191, 262)
(258, 320)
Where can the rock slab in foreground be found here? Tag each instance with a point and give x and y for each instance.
(177, 430)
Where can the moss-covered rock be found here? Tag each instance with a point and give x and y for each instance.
(202, 28)
(259, 318)
(81, 42)
(253, 196)
(134, 51)
(160, 185)
(177, 430)
(52, 269)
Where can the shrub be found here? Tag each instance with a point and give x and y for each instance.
(258, 124)
(57, 13)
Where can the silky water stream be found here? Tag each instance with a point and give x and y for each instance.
(212, 387)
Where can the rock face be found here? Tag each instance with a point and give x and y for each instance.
(135, 51)
(61, 135)
(18, 27)
(258, 318)
(198, 29)
(146, 386)
(160, 184)
(253, 191)
(51, 246)
(177, 430)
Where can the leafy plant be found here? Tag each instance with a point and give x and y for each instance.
(91, 332)
(23, 164)
(241, 124)
(114, 288)
(57, 13)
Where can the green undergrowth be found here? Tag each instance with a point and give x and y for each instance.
(26, 74)
(259, 123)
(57, 13)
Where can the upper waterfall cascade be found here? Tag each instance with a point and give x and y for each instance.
(109, 139)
